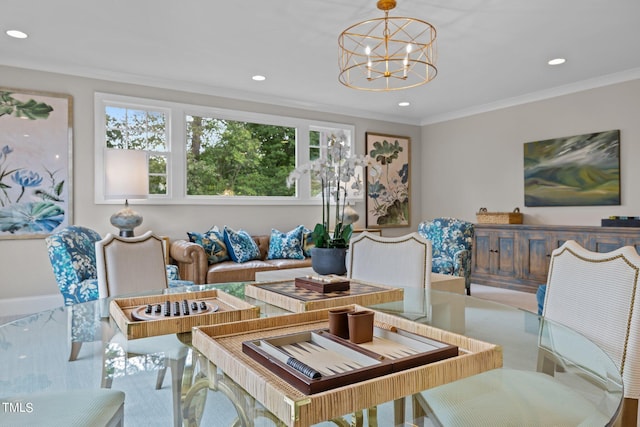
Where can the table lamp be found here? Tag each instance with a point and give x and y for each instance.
(126, 177)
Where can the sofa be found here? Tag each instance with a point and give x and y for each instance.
(193, 263)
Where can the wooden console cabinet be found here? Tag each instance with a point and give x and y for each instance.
(517, 256)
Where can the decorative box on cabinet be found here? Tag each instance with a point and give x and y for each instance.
(517, 256)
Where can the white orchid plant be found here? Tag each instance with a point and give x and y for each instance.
(337, 172)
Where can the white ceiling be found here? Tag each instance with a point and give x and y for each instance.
(491, 53)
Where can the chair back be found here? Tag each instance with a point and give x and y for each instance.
(130, 264)
(73, 259)
(596, 294)
(403, 261)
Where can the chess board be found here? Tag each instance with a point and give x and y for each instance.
(291, 290)
(287, 295)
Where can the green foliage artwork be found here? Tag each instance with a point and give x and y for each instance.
(388, 196)
(581, 170)
(30, 109)
(34, 155)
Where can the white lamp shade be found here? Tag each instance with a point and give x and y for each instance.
(126, 174)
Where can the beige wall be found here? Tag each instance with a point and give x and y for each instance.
(26, 271)
(477, 161)
(457, 167)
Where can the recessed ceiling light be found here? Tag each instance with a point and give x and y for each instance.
(259, 78)
(556, 61)
(404, 104)
(16, 34)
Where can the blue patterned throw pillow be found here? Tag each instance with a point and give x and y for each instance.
(307, 242)
(241, 246)
(286, 245)
(213, 243)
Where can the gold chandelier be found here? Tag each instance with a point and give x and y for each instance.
(385, 54)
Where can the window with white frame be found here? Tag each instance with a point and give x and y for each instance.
(201, 155)
(138, 128)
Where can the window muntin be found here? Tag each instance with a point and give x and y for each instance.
(168, 152)
(318, 140)
(141, 129)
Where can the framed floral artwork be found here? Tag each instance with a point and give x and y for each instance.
(388, 201)
(35, 163)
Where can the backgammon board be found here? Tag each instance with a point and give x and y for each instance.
(224, 344)
(317, 361)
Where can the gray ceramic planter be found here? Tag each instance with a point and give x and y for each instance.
(329, 260)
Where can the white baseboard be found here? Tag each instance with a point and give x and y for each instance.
(28, 305)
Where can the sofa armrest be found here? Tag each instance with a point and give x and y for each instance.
(192, 261)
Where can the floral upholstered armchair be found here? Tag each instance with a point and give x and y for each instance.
(451, 241)
(73, 259)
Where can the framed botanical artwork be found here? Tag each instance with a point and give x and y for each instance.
(580, 170)
(388, 200)
(35, 163)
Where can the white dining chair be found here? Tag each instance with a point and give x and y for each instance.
(72, 408)
(594, 294)
(402, 261)
(128, 265)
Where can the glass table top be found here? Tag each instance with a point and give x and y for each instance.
(34, 352)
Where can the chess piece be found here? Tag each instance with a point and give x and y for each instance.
(360, 326)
